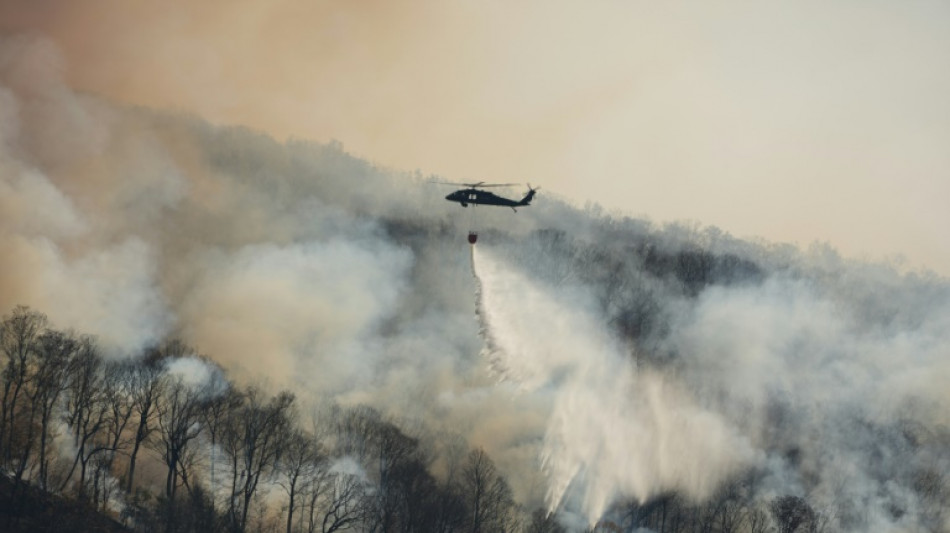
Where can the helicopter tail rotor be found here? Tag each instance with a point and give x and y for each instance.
(529, 196)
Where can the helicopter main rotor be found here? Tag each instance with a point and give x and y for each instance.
(479, 185)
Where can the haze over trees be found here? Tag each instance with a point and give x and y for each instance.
(165, 441)
(270, 472)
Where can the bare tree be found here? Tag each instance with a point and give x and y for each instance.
(756, 518)
(55, 353)
(404, 495)
(451, 514)
(253, 440)
(417, 497)
(117, 397)
(341, 505)
(726, 511)
(86, 409)
(486, 492)
(450, 505)
(353, 430)
(145, 387)
(178, 413)
(543, 522)
(314, 493)
(300, 463)
(792, 514)
(19, 334)
(215, 416)
(392, 451)
(41, 380)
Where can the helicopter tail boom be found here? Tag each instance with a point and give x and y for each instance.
(528, 197)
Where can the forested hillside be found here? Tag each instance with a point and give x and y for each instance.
(164, 442)
(208, 329)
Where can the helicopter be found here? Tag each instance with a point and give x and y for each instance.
(475, 196)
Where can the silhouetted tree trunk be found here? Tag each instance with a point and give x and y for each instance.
(215, 416)
(300, 462)
(86, 408)
(116, 397)
(55, 355)
(253, 440)
(19, 334)
(145, 388)
(392, 450)
(345, 503)
(178, 413)
(486, 492)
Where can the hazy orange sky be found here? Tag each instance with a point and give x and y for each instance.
(793, 121)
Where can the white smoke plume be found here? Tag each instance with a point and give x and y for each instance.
(197, 374)
(47, 129)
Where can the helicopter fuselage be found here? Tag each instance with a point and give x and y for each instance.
(480, 197)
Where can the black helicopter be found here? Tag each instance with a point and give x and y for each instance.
(475, 196)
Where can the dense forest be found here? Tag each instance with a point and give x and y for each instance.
(208, 329)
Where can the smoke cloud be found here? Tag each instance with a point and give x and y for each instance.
(283, 312)
(831, 117)
(624, 360)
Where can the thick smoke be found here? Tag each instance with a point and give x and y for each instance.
(56, 254)
(295, 265)
(845, 403)
(266, 309)
(634, 361)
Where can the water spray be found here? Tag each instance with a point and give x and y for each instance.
(612, 430)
